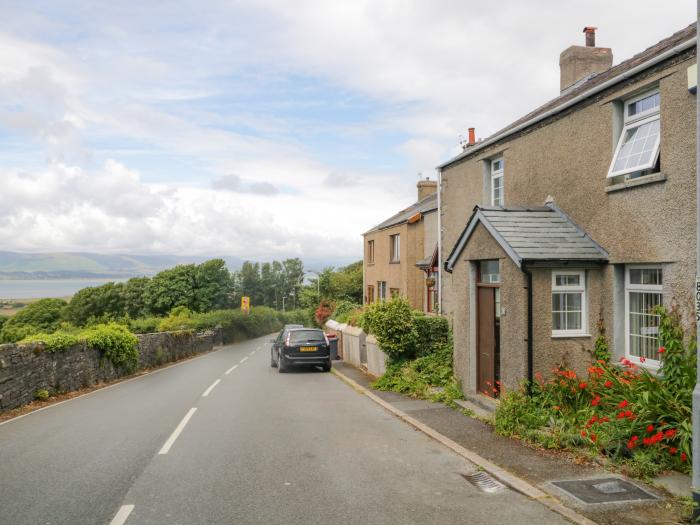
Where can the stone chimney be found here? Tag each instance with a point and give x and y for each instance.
(579, 62)
(426, 187)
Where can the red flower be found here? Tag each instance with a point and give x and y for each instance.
(620, 415)
(647, 441)
(595, 401)
(650, 429)
(672, 451)
(608, 383)
(683, 456)
(556, 407)
(642, 360)
(594, 438)
(635, 438)
(601, 361)
(628, 413)
(670, 433)
(623, 403)
(605, 419)
(631, 444)
(582, 385)
(583, 433)
(662, 349)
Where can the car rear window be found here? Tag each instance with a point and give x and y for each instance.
(303, 336)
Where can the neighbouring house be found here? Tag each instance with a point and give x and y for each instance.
(401, 254)
(580, 216)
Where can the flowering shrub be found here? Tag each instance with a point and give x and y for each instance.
(620, 410)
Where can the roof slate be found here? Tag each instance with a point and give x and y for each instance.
(426, 205)
(531, 234)
(593, 81)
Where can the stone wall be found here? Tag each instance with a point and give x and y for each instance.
(28, 368)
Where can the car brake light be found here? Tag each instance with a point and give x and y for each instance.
(286, 342)
(326, 338)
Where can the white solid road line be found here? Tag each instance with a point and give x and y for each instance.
(208, 390)
(176, 432)
(122, 515)
(231, 369)
(243, 360)
(252, 352)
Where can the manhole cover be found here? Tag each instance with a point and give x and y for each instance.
(604, 490)
(484, 482)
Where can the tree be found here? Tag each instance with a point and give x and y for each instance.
(95, 302)
(135, 297)
(171, 288)
(40, 316)
(212, 286)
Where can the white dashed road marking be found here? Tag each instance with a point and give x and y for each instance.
(231, 369)
(177, 431)
(243, 360)
(208, 390)
(122, 515)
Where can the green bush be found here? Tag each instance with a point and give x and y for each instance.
(344, 310)
(392, 323)
(40, 316)
(55, 342)
(432, 332)
(116, 343)
(144, 325)
(41, 395)
(623, 411)
(427, 377)
(180, 318)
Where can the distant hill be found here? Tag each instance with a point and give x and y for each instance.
(64, 265)
(14, 265)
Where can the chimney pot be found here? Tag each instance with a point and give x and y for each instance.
(472, 137)
(590, 35)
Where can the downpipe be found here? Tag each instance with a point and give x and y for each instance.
(696, 294)
(530, 350)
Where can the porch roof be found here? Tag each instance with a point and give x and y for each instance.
(536, 234)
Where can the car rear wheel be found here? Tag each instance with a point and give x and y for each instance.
(327, 366)
(273, 363)
(281, 366)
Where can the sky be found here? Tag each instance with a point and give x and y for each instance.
(265, 129)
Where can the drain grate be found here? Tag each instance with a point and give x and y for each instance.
(484, 482)
(604, 490)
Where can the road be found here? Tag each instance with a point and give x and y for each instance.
(224, 438)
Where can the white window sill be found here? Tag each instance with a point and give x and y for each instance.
(570, 336)
(639, 181)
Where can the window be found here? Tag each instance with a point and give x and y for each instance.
(568, 303)
(638, 146)
(370, 252)
(497, 182)
(489, 272)
(643, 291)
(370, 294)
(395, 241)
(381, 291)
(394, 292)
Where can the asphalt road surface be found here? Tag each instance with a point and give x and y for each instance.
(225, 439)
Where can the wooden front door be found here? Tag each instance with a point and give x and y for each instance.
(487, 340)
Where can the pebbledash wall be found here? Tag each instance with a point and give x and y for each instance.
(28, 368)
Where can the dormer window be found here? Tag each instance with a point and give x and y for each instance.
(638, 146)
(497, 182)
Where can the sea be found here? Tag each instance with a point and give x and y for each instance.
(40, 288)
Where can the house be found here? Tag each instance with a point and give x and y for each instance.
(575, 220)
(401, 253)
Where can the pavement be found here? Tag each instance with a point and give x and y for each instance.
(224, 438)
(532, 468)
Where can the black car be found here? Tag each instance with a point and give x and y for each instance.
(300, 346)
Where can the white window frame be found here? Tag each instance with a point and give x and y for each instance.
(564, 289)
(395, 248)
(640, 288)
(632, 122)
(381, 291)
(497, 174)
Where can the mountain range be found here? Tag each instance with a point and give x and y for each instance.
(62, 265)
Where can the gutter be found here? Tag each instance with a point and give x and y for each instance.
(579, 98)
